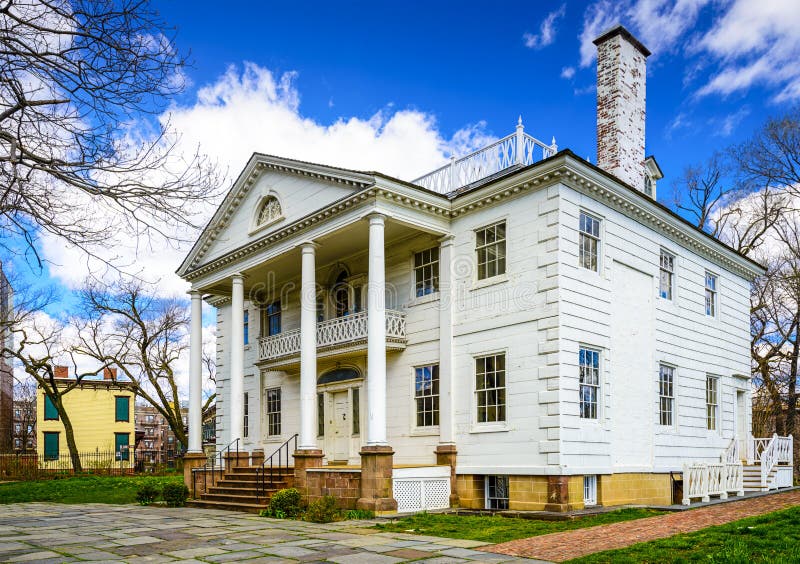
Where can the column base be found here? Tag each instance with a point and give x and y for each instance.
(558, 494)
(376, 480)
(446, 455)
(192, 460)
(257, 457)
(304, 459)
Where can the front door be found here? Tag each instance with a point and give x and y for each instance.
(340, 425)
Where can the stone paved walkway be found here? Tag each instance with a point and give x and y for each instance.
(558, 547)
(47, 532)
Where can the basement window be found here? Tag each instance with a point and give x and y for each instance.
(496, 492)
(589, 490)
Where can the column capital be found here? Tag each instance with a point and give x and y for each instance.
(237, 276)
(447, 240)
(195, 294)
(309, 246)
(376, 218)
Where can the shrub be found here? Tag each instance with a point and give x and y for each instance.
(323, 510)
(359, 514)
(175, 495)
(147, 494)
(286, 503)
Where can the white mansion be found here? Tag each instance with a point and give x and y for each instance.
(539, 324)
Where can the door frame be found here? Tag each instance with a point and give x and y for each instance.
(326, 441)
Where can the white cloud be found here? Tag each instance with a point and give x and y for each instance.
(567, 72)
(251, 109)
(547, 30)
(726, 126)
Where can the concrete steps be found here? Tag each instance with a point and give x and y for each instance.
(239, 489)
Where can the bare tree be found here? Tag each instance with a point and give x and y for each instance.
(78, 79)
(25, 411)
(144, 337)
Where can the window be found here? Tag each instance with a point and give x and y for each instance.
(122, 408)
(246, 324)
(590, 490)
(50, 446)
(711, 294)
(274, 412)
(589, 242)
(17, 443)
(426, 272)
(491, 249)
(16, 413)
(170, 439)
(320, 415)
(271, 319)
(356, 411)
(30, 428)
(711, 402)
(121, 444)
(589, 382)
(496, 492)
(490, 388)
(269, 212)
(426, 395)
(50, 411)
(149, 418)
(17, 428)
(666, 397)
(246, 415)
(666, 275)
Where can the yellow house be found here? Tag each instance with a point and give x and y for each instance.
(102, 417)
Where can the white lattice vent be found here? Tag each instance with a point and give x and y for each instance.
(422, 494)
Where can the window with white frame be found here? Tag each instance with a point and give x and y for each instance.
(274, 412)
(589, 384)
(490, 246)
(589, 490)
(496, 492)
(246, 415)
(711, 294)
(426, 395)
(589, 242)
(356, 407)
(270, 322)
(246, 327)
(666, 281)
(270, 211)
(712, 402)
(490, 388)
(666, 394)
(426, 272)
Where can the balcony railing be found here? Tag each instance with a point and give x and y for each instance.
(516, 149)
(333, 334)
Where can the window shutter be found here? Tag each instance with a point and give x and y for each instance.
(50, 411)
(51, 446)
(122, 409)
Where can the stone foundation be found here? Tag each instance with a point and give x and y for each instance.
(190, 461)
(376, 480)
(446, 455)
(304, 459)
(343, 484)
(641, 489)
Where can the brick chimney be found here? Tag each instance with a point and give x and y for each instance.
(109, 373)
(621, 78)
(60, 371)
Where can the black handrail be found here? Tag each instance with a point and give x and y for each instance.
(213, 459)
(261, 472)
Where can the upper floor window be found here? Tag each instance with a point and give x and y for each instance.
(491, 249)
(426, 395)
(666, 394)
(666, 275)
(122, 408)
(426, 271)
(711, 294)
(269, 212)
(589, 382)
(50, 411)
(271, 319)
(490, 388)
(246, 327)
(273, 412)
(589, 242)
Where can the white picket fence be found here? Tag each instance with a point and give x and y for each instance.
(716, 478)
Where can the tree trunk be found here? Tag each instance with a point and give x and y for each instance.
(791, 396)
(70, 435)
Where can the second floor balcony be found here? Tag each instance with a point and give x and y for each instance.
(337, 336)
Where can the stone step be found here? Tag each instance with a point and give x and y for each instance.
(238, 499)
(241, 507)
(240, 491)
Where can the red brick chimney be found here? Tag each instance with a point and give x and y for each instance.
(60, 371)
(621, 79)
(109, 373)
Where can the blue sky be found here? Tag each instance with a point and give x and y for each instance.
(398, 87)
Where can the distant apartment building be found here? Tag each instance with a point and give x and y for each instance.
(156, 443)
(24, 431)
(210, 429)
(6, 371)
(102, 415)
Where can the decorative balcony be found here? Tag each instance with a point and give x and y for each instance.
(516, 149)
(334, 337)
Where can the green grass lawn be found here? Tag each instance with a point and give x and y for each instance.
(83, 489)
(774, 538)
(497, 529)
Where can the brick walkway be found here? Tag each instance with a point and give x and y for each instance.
(558, 547)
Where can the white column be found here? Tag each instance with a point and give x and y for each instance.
(195, 374)
(237, 358)
(376, 335)
(308, 349)
(446, 297)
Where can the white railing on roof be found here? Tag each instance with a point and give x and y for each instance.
(519, 148)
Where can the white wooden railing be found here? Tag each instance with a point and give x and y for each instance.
(731, 453)
(716, 478)
(332, 333)
(769, 453)
(517, 148)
